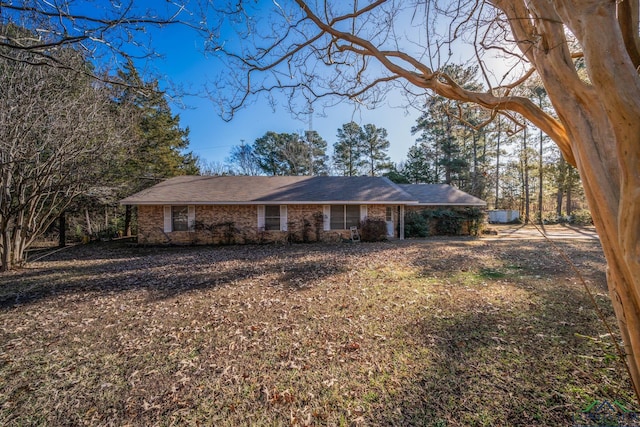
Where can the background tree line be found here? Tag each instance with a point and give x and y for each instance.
(508, 163)
(359, 150)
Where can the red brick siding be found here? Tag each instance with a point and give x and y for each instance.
(214, 222)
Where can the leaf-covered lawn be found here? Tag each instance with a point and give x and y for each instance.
(435, 333)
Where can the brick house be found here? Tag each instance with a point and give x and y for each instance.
(252, 209)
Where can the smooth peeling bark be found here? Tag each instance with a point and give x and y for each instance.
(601, 119)
(616, 81)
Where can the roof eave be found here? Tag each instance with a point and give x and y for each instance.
(267, 202)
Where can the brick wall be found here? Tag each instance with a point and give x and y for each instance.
(226, 224)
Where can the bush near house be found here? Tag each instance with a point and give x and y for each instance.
(415, 225)
(444, 222)
(373, 230)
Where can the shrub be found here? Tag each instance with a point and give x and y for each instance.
(448, 222)
(415, 225)
(550, 218)
(224, 232)
(292, 233)
(318, 224)
(475, 218)
(373, 230)
(306, 230)
(581, 217)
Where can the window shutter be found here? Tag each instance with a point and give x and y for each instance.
(167, 219)
(192, 218)
(326, 217)
(260, 217)
(363, 212)
(283, 218)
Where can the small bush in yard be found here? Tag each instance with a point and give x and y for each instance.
(581, 217)
(415, 225)
(373, 230)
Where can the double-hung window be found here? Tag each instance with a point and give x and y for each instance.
(344, 216)
(272, 218)
(179, 218)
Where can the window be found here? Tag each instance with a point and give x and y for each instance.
(179, 218)
(389, 214)
(352, 215)
(272, 218)
(344, 216)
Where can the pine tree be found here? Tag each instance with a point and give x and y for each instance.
(157, 143)
(347, 152)
(417, 168)
(374, 149)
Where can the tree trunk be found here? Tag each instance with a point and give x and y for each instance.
(62, 240)
(498, 166)
(88, 220)
(127, 220)
(524, 176)
(475, 185)
(6, 252)
(540, 180)
(559, 201)
(601, 124)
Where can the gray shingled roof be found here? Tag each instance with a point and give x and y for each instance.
(277, 189)
(441, 195)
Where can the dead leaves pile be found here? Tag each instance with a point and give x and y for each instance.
(370, 334)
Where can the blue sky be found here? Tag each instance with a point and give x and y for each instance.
(184, 64)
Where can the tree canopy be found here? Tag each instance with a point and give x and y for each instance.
(56, 127)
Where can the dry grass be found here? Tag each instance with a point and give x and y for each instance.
(432, 333)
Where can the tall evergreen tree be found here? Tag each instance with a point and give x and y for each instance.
(417, 168)
(157, 143)
(317, 149)
(268, 151)
(291, 154)
(347, 151)
(375, 145)
(442, 128)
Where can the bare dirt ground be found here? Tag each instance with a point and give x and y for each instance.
(435, 332)
(553, 232)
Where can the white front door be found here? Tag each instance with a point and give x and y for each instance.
(390, 222)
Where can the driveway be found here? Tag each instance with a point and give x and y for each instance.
(529, 232)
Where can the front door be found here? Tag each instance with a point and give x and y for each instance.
(390, 222)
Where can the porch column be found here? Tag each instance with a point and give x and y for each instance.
(401, 222)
